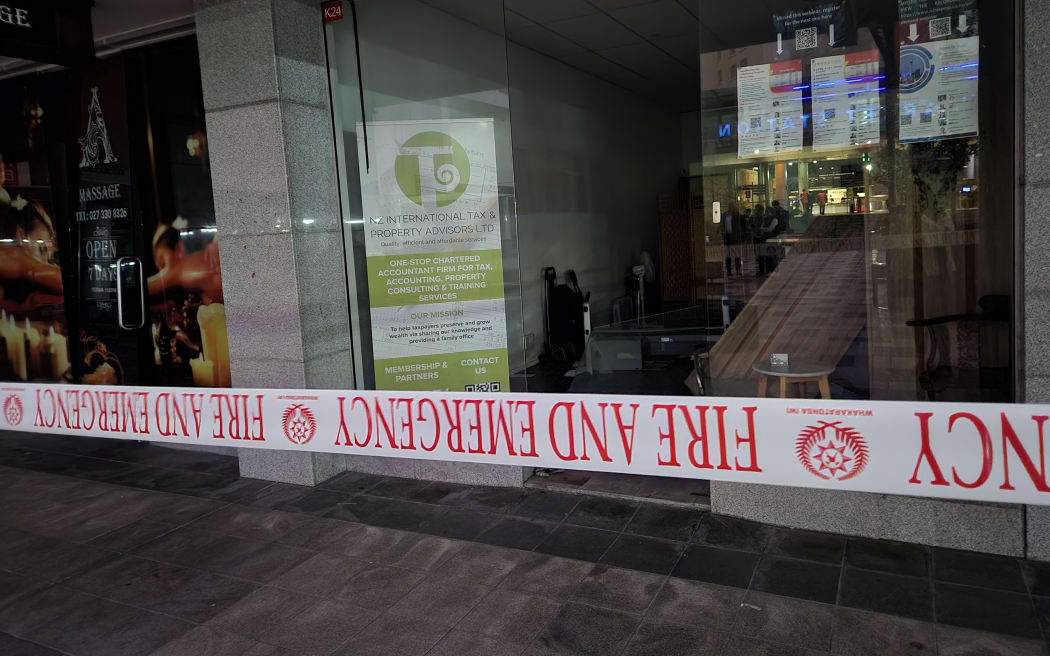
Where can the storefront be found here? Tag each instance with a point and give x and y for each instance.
(809, 199)
(111, 269)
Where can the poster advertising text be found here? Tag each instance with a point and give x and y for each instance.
(435, 265)
(846, 100)
(769, 100)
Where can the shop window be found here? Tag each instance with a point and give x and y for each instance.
(813, 199)
(109, 269)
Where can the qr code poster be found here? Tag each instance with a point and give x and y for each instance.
(806, 38)
(940, 27)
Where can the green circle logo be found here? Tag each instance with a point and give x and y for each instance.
(432, 169)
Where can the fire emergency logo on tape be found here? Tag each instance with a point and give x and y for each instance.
(13, 410)
(832, 451)
(299, 424)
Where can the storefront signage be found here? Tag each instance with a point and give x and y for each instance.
(980, 452)
(939, 57)
(435, 260)
(53, 31)
(333, 11)
(846, 105)
(769, 106)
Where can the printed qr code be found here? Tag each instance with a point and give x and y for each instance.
(829, 114)
(756, 124)
(806, 38)
(483, 387)
(940, 27)
(905, 119)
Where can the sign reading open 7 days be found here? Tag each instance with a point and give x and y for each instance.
(435, 265)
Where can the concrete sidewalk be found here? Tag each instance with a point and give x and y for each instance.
(110, 548)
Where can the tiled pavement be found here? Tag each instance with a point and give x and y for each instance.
(110, 548)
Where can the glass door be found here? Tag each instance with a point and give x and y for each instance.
(422, 121)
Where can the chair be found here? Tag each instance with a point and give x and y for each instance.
(938, 378)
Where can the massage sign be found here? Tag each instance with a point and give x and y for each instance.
(980, 452)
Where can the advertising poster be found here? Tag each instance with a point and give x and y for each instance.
(846, 100)
(33, 329)
(103, 223)
(769, 101)
(939, 58)
(186, 308)
(435, 263)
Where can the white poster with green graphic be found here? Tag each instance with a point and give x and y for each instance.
(435, 265)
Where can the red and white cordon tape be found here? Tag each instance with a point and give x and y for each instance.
(981, 452)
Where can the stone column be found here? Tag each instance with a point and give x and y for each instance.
(277, 208)
(1035, 358)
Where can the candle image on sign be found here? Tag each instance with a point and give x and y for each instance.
(434, 255)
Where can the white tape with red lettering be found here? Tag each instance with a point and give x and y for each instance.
(985, 452)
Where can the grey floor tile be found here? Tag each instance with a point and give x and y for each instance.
(12, 646)
(748, 646)
(254, 613)
(517, 533)
(582, 629)
(609, 514)
(701, 605)
(318, 629)
(379, 641)
(807, 545)
(543, 504)
(321, 575)
(461, 643)
(111, 575)
(986, 610)
(509, 615)
(251, 523)
(983, 570)
(660, 521)
(263, 649)
(643, 553)
(792, 577)
(437, 604)
(142, 635)
(375, 543)
(480, 563)
(653, 639)
(957, 641)
(205, 641)
(179, 509)
(256, 561)
(549, 576)
(25, 613)
(886, 593)
(888, 556)
(68, 561)
(860, 633)
(318, 534)
(184, 593)
(577, 542)
(378, 586)
(81, 627)
(619, 589)
(184, 546)
(732, 533)
(21, 549)
(131, 536)
(795, 622)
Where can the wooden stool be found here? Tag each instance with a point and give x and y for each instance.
(798, 373)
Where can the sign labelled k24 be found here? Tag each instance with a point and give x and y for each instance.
(986, 452)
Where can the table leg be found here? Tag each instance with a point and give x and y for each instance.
(783, 387)
(825, 388)
(762, 383)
